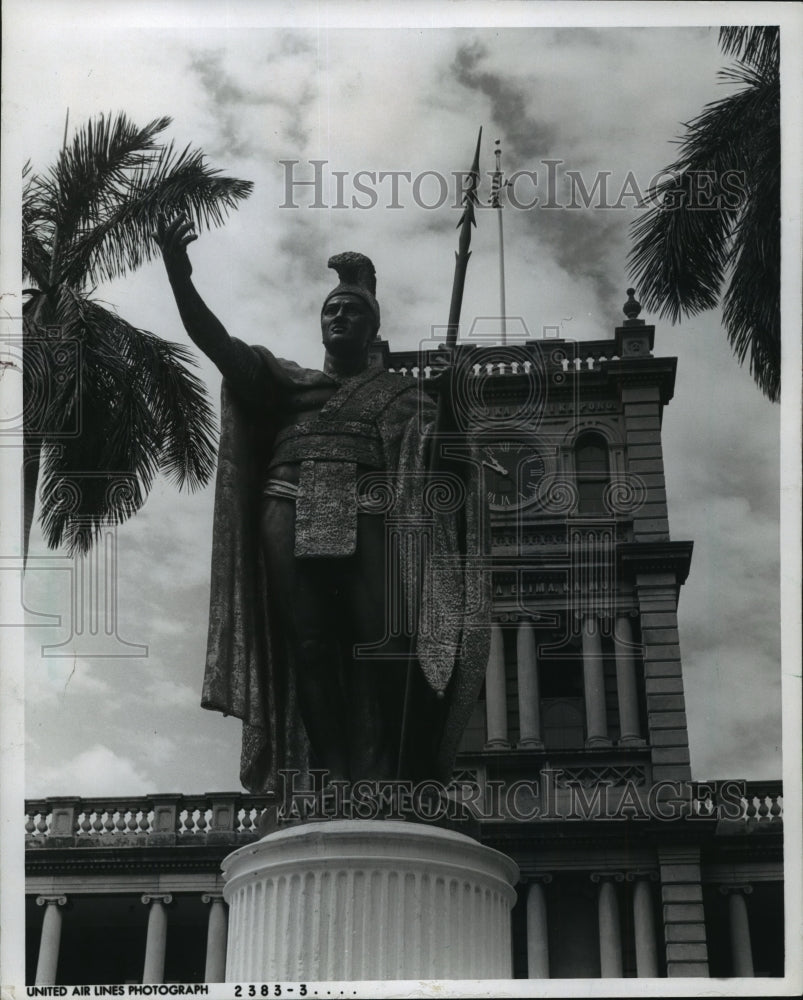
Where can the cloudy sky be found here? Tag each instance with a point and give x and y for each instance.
(410, 97)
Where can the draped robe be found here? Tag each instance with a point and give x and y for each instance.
(249, 671)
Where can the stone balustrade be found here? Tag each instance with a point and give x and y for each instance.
(764, 801)
(761, 804)
(157, 820)
(516, 358)
(501, 368)
(232, 818)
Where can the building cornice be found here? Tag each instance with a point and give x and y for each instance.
(634, 558)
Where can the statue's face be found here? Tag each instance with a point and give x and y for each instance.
(347, 325)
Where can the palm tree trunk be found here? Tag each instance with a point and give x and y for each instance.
(31, 454)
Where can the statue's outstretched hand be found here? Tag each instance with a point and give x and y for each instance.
(173, 239)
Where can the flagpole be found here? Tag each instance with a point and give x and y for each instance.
(497, 204)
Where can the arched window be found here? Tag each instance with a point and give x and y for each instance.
(591, 472)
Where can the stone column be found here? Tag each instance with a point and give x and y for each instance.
(629, 726)
(537, 930)
(644, 925)
(529, 689)
(741, 947)
(610, 933)
(47, 963)
(594, 685)
(216, 934)
(156, 942)
(496, 693)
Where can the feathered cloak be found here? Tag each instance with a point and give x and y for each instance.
(249, 673)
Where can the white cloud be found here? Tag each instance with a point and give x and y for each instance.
(165, 693)
(96, 771)
(49, 679)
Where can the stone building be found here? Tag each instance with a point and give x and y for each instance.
(576, 761)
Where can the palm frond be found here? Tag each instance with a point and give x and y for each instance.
(170, 183)
(687, 256)
(679, 256)
(176, 399)
(139, 412)
(52, 355)
(752, 300)
(758, 45)
(36, 261)
(108, 406)
(36, 235)
(92, 171)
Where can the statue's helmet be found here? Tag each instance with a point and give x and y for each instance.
(357, 277)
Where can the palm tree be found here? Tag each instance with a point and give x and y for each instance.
(106, 406)
(700, 244)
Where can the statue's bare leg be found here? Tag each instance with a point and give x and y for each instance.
(375, 679)
(303, 596)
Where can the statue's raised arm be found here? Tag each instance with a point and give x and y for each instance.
(235, 360)
(204, 328)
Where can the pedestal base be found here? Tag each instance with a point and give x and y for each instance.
(365, 899)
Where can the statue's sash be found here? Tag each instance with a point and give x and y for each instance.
(326, 505)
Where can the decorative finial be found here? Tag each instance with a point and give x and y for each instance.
(632, 308)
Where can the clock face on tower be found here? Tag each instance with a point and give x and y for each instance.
(512, 473)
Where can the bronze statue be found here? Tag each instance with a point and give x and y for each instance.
(302, 575)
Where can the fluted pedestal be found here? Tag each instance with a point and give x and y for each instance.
(368, 899)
